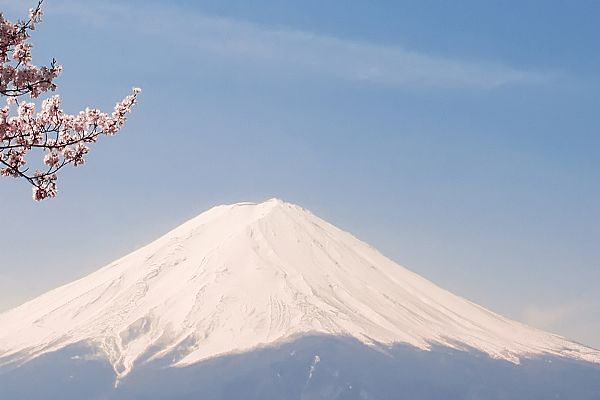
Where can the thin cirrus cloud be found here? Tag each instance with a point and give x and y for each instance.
(575, 317)
(294, 51)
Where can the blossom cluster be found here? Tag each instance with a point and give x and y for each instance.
(18, 76)
(61, 138)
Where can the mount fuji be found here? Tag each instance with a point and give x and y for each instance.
(266, 300)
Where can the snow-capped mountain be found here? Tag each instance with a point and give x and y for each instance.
(246, 276)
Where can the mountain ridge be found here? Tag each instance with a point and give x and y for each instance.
(248, 275)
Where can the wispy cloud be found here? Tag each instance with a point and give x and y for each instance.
(9, 296)
(292, 50)
(548, 317)
(577, 319)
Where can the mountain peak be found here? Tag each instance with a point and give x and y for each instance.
(247, 275)
(266, 206)
(272, 202)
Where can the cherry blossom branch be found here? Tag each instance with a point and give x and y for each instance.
(62, 138)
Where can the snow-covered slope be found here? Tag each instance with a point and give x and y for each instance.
(247, 275)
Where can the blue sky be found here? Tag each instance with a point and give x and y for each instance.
(459, 138)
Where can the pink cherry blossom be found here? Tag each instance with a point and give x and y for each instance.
(61, 138)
